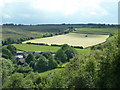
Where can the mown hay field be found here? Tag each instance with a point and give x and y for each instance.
(72, 39)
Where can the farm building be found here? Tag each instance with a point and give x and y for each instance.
(20, 55)
(38, 52)
(30, 52)
(34, 52)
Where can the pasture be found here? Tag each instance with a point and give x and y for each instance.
(31, 30)
(72, 39)
(102, 31)
(30, 47)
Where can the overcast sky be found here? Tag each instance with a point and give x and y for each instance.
(59, 11)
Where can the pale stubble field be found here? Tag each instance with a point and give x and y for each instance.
(72, 39)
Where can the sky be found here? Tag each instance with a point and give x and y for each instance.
(59, 11)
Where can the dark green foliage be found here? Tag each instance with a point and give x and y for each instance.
(32, 64)
(5, 56)
(7, 69)
(109, 66)
(41, 64)
(24, 69)
(12, 49)
(86, 36)
(8, 41)
(19, 62)
(48, 55)
(65, 47)
(17, 80)
(51, 63)
(70, 53)
(30, 58)
(37, 56)
(56, 80)
(76, 81)
(65, 53)
(61, 56)
(6, 53)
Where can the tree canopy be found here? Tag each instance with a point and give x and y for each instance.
(30, 58)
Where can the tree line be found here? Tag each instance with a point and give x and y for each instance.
(85, 25)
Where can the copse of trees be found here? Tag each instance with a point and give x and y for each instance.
(6, 53)
(47, 61)
(12, 49)
(65, 53)
(9, 51)
(29, 58)
(48, 55)
(51, 61)
(24, 69)
(42, 62)
(8, 41)
(61, 56)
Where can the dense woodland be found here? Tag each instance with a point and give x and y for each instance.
(99, 68)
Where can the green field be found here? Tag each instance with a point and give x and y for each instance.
(9, 32)
(31, 30)
(30, 47)
(103, 31)
(45, 74)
